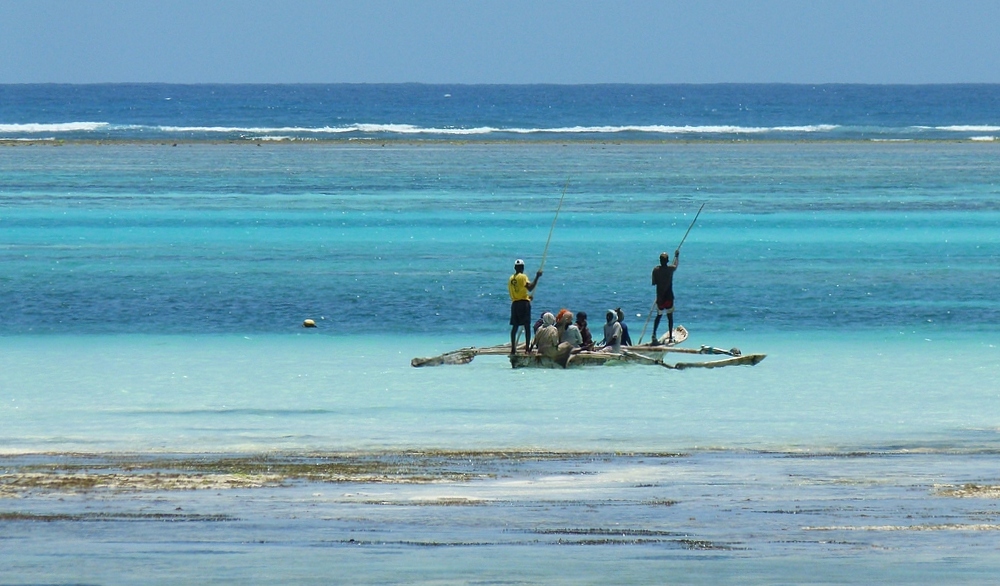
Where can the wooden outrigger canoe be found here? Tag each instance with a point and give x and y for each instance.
(647, 355)
(629, 357)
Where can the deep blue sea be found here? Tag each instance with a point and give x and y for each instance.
(500, 112)
(165, 418)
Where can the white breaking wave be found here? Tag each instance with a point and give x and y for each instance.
(248, 129)
(370, 128)
(969, 128)
(411, 129)
(661, 129)
(364, 128)
(278, 138)
(59, 127)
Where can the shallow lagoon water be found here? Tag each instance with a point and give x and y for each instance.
(720, 517)
(224, 456)
(321, 391)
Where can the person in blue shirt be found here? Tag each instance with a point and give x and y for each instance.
(626, 339)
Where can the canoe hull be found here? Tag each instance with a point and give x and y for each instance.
(575, 361)
(586, 359)
(648, 355)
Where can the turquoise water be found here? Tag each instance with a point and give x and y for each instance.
(235, 238)
(151, 303)
(824, 392)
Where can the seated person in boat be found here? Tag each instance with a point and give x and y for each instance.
(547, 341)
(581, 324)
(626, 339)
(540, 322)
(612, 341)
(568, 331)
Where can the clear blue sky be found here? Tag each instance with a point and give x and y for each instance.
(500, 41)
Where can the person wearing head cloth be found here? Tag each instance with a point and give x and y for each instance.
(568, 331)
(547, 340)
(626, 339)
(520, 290)
(581, 324)
(612, 332)
(663, 280)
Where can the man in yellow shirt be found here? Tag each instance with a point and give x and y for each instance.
(520, 304)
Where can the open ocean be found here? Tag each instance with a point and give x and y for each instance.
(165, 419)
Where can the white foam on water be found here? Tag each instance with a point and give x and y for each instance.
(969, 128)
(53, 127)
(410, 129)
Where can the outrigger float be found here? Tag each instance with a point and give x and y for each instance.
(649, 355)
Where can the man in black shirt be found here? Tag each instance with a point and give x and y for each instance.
(663, 278)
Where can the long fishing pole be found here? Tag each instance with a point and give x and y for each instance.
(643, 333)
(545, 253)
(691, 226)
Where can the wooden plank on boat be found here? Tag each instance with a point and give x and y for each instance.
(649, 355)
(744, 360)
(661, 350)
(460, 356)
(575, 361)
(585, 359)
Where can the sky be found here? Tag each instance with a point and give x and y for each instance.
(500, 41)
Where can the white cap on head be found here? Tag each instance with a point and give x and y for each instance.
(518, 263)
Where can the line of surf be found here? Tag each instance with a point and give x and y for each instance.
(263, 132)
(29, 128)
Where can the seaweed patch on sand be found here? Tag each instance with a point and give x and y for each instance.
(78, 473)
(73, 483)
(920, 527)
(987, 491)
(113, 517)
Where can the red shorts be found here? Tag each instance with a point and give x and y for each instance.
(663, 304)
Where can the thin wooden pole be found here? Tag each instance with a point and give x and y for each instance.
(691, 226)
(653, 307)
(545, 253)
